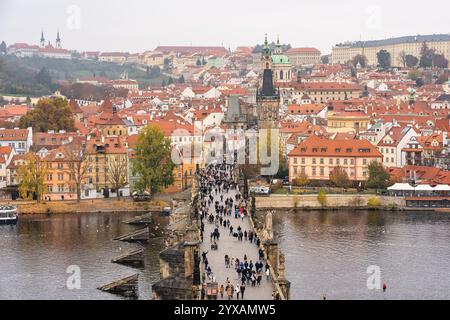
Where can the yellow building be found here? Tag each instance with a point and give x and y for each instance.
(184, 175)
(153, 58)
(316, 157)
(319, 92)
(397, 47)
(303, 56)
(108, 122)
(346, 121)
(59, 182)
(103, 154)
(114, 57)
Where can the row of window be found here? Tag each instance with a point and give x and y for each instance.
(60, 188)
(321, 171)
(345, 161)
(392, 150)
(60, 177)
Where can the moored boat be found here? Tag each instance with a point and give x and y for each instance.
(8, 214)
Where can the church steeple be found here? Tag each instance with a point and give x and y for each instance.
(58, 40)
(266, 59)
(42, 39)
(278, 47)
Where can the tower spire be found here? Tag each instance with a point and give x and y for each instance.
(42, 38)
(58, 40)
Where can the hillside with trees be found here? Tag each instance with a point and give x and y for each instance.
(35, 76)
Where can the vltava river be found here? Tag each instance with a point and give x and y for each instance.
(327, 253)
(35, 254)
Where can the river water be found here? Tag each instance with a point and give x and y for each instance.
(327, 253)
(35, 255)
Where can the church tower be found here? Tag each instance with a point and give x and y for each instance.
(42, 39)
(58, 41)
(266, 56)
(267, 96)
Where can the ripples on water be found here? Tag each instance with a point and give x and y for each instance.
(327, 253)
(35, 254)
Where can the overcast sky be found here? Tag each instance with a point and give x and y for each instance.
(139, 25)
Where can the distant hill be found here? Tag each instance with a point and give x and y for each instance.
(18, 75)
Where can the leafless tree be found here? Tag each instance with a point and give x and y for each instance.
(117, 173)
(80, 164)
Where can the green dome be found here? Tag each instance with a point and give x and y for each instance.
(280, 59)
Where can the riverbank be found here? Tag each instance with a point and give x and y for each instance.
(88, 206)
(333, 202)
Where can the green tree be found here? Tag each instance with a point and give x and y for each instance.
(384, 59)
(31, 177)
(378, 176)
(170, 81)
(411, 61)
(322, 197)
(49, 114)
(361, 59)
(181, 79)
(426, 56)
(439, 61)
(325, 59)
(339, 177)
(198, 63)
(43, 77)
(152, 163)
(3, 47)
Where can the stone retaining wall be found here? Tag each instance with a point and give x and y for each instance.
(333, 200)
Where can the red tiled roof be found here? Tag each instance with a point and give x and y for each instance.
(323, 147)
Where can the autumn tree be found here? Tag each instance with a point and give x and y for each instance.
(384, 59)
(31, 176)
(49, 114)
(301, 180)
(79, 163)
(152, 163)
(117, 173)
(339, 177)
(322, 197)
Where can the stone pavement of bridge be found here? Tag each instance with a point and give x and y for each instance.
(234, 248)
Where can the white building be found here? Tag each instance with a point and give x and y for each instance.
(19, 139)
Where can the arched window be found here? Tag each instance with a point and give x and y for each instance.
(281, 75)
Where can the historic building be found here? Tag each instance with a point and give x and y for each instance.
(267, 96)
(303, 56)
(342, 53)
(316, 157)
(281, 65)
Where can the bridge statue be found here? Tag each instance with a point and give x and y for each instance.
(267, 234)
